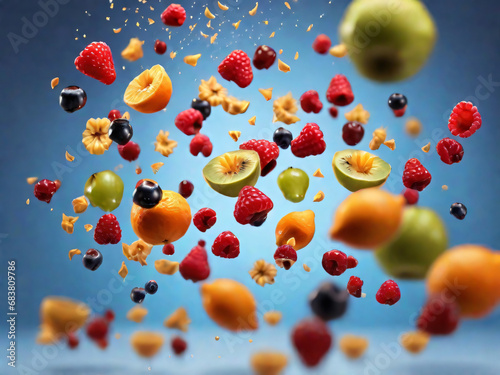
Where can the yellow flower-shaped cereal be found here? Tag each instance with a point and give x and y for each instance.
(263, 272)
(95, 137)
(284, 109)
(133, 51)
(358, 114)
(68, 223)
(378, 138)
(137, 251)
(234, 106)
(212, 92)
(164, 145)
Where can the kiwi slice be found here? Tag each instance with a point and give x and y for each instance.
(356, 170)
(227, 174)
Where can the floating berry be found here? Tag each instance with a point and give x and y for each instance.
(129, 151)
(147, 194)
(226, 245)
(109, 315)
(72, 99)
(322, 44)
(398, 103)
(103, 343)
(203, 106)
(120, 131)
(450, 151)
(114, 114)
(352, 133)
(96, 61)
(151, 287)
(200, 143)
(168, 249)
(97, 329)
(107, 230)
(179, 346)
(334, 262)
(73, 341)
(285, 256)
(236, 67)
(312, 340)
(415, 175)
(334, 112)
(340, 92)
(458, 210)
(174, 15)
(137, 295)
(204, 219)
(189, 121)
(92, 259)
(252, 206)
(389, 293)
(309, 101)
(264, 57)
(351, 262)
(329, 301)
(195, 265)
(282, 137)
(411, 196)
(354, 286)
(268, 153)
(45, 189)
(310, 142)
(464, 120)
(186, 188)
(160, 47)
(440, 316)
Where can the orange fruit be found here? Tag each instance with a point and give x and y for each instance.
(150, 91)
(367, 218)
(168, 221)
(471, 275)
(297, 225)
(146, 344)
(230, 304)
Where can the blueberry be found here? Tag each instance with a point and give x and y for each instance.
(72, 99)
(147, 194)
(458, 210)
(397, 101)
(203, 106)
(282, 137)
(151, 287)
(329, 301)
(92, 259)
(120, 131)
(137, 295)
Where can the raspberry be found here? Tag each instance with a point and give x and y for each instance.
(195, 265)
(252, 206)
(285, 256)
(334, 262)
(411, 196)
(389, 293)
(226, 245)
(415, 176)
(189, 121)
(204, 219)
(114, 114)
(98, 329)
(450, 151)
(45, 189)
(109, 315)
(312, 340)
(236, 67)
(202, 243)
(73, 341)
(129, 151)
(268, 153)
(310, 142)
(168, 249)
(309, 101)
(439, 316)
(351, 262)
(96, 61)
(340, 91)
(334, 112)
(354, 286)
(179, 345)
(200, 143)
(174, 15)
(322, 44)
(464, 120)
(107, 230)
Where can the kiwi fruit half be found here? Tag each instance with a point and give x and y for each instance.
(356, 169)
(227, 174)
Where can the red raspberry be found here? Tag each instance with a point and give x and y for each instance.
(309, 101)
(73, 341)
(310, 142)
(200, 143)
(45, 189)
(204, 219)
(464, 120)
(389, 293)
(411, 196)
(195, 265)
(322, 44)
(340, 91)
(285, 256)
(109, 315)
(334, 262)
(160, 47)
(96, 61)
(268, 153)
(107, 230)
(312, 339)
(179, 345)
(439, 316)
(351, 262)
(98, 329)
(226, 245)
(202, 243)
(174, 15)
(189, 121)
(415, 176)
(450, 151)
(114, 114)
(236, 67)
(334, 112)
(129, 151)
(252, 206)
(168, 249)
(354, 286)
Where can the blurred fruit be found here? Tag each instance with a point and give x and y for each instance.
(146, 344)
(168, 221)
(104, 190)
(195, 265)
(367, 218)
(322, 44)
(411, 196)
(264, 57)
(329, 302)
(120, 131)
(92, 259)
(353, 346)
(439, 316)
(72, 99)
(293, 183)
(298, 225)
(179, 345)
(312, 340)
(268, 362)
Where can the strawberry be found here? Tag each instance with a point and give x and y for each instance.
(439, 316)
(189, 121)
(312, 339)
(309, 142)
(415, 175)
(340, 92)
(236, 67)
(96, 61)
(195, 265)
(200, 143)
(268, 153)
(107, 230)
(252, 206)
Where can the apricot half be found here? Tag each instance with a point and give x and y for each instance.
(298, 225)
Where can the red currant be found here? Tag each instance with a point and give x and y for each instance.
(352, 133)
(114, 114)
(160, 47)
(186, 188)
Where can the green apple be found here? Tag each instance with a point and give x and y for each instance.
(421, 239)
(388, 40)
(293, 183)
(104, 190)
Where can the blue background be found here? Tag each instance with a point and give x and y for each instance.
(36, 132)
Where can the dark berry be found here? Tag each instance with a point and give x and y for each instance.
(203, 106)
(334, 262)
(458, 210)
(92, 259)
(129, 151)
(137, 295)
(352, 133)
(160, 47)
(329, 302)
(179, 346)
(264, 57)
(73, 341)
(72, 99)
(283, 138)
(120, 131)
(114, 114)
(186, 188)
(109, 315)
(45, 189)
(147, 194)
(97, 329)
(334, 112)
(151, 287)
(397, 101)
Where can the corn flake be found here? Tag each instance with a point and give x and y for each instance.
(309, 28)
(235, 135)
(192, 59)
(253, 12)
(163, 145)
(31, 180)
(156, 167)
(123, 272)
(80, 204)
(391, 143)
(166, 267)
(133, 51)
(306, 268)
(427, 147)
(236, 25)
(88, 227)
(284, 109)
(283, 67)
(319, 196)
(340, 50)
(54, 82)
(378, 138)
(95, 137)
(318, 173)
(358, 114)
(137, 314)
(222, 7)
(267, 93)
(234, 106)
(209, 14)
(138, 251)
(68, 223)
(73, 252)
(251, 121)
(178, 320)
(69, 157)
